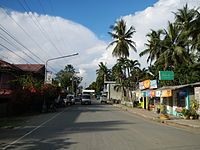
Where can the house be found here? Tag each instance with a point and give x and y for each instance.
(8, 73)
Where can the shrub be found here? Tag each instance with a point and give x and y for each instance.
(185, 112)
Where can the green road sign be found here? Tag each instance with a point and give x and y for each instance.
(166, 75)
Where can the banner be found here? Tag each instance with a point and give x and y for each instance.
(153, 84)
(141, 85)
(166, 93)
(143, 94)
(148, 93)
(49, 77)
(158, 93)
(146, 84)
(153, 93)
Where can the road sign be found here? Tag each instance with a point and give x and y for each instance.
(166, 75)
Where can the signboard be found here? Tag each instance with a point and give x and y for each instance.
(166, 75)
(49, 77)
(158, 93)
(153, 84)
(148, 93)
(143, 94)
(166, 93)
(183, 93)
(141, 85)
(153, 93)
(146, 84)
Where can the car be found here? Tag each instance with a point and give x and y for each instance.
(69, 100)
(86, 99)
(103, 99)
(77, 99)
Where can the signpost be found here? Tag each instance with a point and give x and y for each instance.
(166, 75)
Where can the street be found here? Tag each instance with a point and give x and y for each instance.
(96, 127)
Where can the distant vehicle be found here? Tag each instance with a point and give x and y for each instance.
(77, 99)
(69, 100)
(86, 99)
(88, 91)
(103, 99)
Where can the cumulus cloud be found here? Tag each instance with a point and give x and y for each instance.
(49, 37)
(55, 36)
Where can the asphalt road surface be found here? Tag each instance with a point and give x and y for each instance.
(96, 127)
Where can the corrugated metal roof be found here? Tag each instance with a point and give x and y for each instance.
(171, 87)
(30, 67)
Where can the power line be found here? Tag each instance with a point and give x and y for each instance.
(38, 25)
(15, 47)
(2, 58)
(14, 53)
(5, 31)
(50, 25)
(24, 32)
(58, 25)
(29, 37)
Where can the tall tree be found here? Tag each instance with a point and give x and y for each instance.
(103, 74)
(154, 45)
(122, 38)
(67, 76)
(174, 48)
(103, 71)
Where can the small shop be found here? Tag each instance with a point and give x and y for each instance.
(176, 98)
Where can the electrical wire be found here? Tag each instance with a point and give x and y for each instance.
(50, 25)
(39, 25)
(58, 25)
(5, 12)
(5, 31)
(14, 52)
(29, 37)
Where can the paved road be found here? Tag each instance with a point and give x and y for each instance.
(97, 127)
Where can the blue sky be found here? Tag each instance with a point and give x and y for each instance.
(71, 26)
(97, 15)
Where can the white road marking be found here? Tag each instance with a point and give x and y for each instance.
(17, 140)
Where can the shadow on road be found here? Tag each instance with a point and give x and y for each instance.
(56, 133)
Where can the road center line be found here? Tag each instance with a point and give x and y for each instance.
(17, 140)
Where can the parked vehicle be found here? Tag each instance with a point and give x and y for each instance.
(77, 99)
(86, 99)
(69, 100)
(103, 99)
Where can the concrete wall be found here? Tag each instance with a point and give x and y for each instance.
(113, 94)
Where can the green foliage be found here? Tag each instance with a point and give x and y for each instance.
(194, 104)
(67, 78)
(122, 38)
(177, 48)
(185, 112)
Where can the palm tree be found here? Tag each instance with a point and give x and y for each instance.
(188, 21)
(154, 45)
(103, 72)
(117, 73)
(174, 47)
(122, 38)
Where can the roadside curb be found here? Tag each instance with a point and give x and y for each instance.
(156, 119)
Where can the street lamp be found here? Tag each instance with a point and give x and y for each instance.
(45, 80)
(44, 107)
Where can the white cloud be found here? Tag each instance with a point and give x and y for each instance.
(69, 37)
(55, 37)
